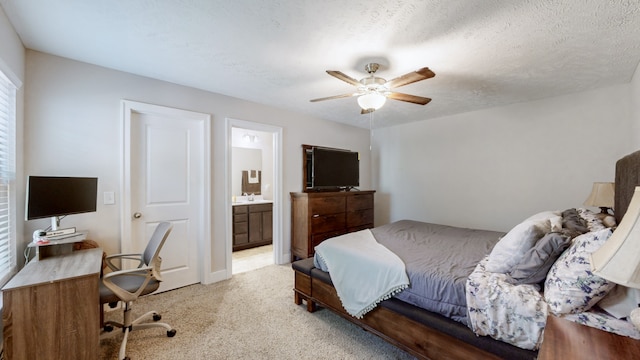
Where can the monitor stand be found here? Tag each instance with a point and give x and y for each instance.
(55, 223)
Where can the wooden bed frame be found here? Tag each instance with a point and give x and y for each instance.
(424, 334)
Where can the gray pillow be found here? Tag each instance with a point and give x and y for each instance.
(573, 224)
(536, 262)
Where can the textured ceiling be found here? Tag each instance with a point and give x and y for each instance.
(485, 53)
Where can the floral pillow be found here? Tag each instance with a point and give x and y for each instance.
(594, 222)
(571, 287)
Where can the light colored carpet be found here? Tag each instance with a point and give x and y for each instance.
(250, 316)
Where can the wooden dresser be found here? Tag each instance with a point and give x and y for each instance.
(317, 216)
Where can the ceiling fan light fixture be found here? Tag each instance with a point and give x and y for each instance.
(371, 101)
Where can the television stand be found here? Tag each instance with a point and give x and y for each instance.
(57, 245)
(317, 216)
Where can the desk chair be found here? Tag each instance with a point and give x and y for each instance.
(128, 285)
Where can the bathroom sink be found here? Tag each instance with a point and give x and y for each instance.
(244, 200)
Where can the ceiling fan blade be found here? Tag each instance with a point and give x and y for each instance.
(343, 77)
(363, 111)
(334, 97)
(409, 98)
(406, 79)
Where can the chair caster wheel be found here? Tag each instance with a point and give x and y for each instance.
(157, 317)
(171, 333)
(108, 328)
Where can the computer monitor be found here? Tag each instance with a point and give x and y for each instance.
(57, 196)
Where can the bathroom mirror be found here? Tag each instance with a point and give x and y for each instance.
(249, 160)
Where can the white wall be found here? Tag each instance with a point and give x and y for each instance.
(12, 52)
(635, 104)
(490, 169)
(73, 127)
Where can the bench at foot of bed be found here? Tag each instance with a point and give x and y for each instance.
(302, 291)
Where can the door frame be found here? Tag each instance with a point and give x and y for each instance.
(278, 241)
(128, 108)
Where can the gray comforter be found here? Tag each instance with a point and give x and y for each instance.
(438, 259)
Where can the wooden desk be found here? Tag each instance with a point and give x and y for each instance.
(564, 339)
(51, 308)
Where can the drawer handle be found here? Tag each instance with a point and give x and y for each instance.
(315, 215)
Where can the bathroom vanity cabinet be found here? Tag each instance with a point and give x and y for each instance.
(252, 225)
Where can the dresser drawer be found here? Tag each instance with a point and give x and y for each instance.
(359, 218)
(327, 205)
(316, 239)
(359, 202)
(326, 223)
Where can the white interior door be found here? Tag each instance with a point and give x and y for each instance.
(166, 184)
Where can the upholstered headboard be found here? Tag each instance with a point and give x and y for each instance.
(627, 178)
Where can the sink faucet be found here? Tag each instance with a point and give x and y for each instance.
(251, 197)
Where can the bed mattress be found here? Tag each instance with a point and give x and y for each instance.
(438, 260)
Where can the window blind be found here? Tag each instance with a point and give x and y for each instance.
(7, 178)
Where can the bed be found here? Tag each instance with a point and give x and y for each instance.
(487, 314)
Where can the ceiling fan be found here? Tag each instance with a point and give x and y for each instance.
(372, 91)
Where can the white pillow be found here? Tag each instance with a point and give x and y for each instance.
(554, 216)
(511, 248)
(544, 215)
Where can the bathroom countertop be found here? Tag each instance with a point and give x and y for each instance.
(254, 202)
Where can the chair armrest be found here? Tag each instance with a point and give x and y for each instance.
(124, 295)
(109, 260)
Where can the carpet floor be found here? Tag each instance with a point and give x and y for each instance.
(250, 316)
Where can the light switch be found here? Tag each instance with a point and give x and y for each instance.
(109, 198)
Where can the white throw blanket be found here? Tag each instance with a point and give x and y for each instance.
(363, 271)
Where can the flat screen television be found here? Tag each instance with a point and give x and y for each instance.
(329, 169)
(56, 196)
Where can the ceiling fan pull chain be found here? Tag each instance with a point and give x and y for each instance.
(371, 131)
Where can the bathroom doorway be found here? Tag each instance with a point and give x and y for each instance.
(254, 194)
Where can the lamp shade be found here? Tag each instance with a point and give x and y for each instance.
(601, 195)
(371, 100)
(618, 259)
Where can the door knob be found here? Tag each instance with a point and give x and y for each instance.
(137, 215)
